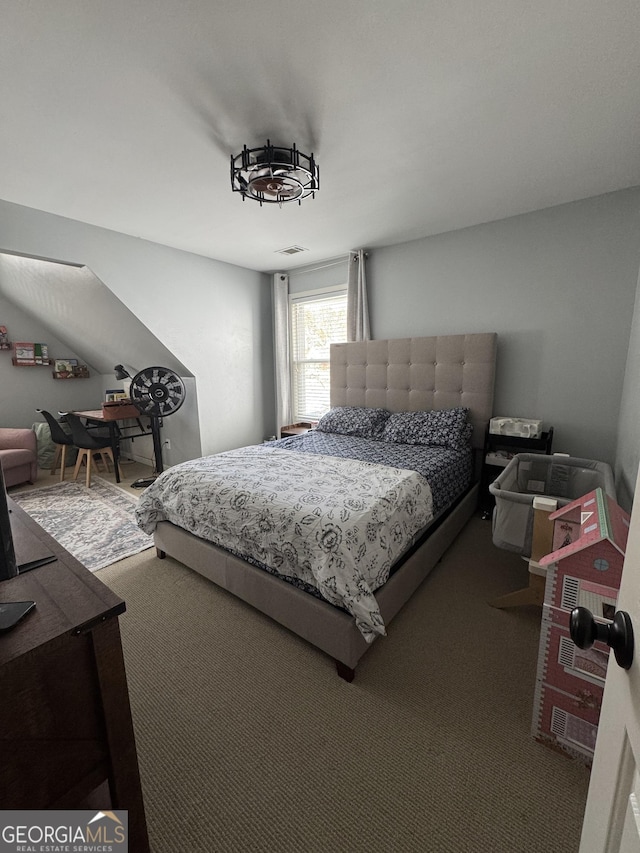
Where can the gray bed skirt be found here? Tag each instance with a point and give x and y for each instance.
(327, 627)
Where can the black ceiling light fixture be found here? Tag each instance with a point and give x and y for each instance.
(274, 175)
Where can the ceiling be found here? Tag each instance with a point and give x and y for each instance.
(424, 116)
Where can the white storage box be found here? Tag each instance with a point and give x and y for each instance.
(563, 478)
(523, 427)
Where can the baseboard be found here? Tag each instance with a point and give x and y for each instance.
(134, 457)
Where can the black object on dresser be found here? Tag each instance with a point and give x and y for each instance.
(498, 451)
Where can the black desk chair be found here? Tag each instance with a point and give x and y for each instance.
(61, 439)
(89, 447)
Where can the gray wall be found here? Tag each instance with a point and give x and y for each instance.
(557, 285)
(628, 452)
(329, 274)
(215, 317)
(23, 389)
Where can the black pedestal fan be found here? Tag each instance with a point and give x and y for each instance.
(157, 392)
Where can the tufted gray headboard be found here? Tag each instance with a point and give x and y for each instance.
(412, 374)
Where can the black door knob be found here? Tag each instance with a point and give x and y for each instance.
(618, 635)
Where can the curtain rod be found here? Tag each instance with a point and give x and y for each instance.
(303, 270)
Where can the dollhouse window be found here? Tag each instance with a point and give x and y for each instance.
(600, 564)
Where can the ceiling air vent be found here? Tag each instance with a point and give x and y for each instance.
(291, 250)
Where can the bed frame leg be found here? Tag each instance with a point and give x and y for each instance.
(345, 671)
(160, 554)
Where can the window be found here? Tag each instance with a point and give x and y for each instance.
(318, 319)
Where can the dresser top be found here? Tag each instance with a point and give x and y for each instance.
(69, 598)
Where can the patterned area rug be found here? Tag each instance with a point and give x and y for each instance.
(96, 525)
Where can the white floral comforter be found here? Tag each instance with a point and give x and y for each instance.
(336, 524)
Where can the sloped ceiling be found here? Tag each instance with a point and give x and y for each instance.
(425, 116)
(80, 311)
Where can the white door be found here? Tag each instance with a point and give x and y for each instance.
(612, 816)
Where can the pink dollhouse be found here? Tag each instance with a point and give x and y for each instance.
(583, 570)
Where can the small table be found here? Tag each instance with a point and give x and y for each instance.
(295, 429)
(493, 462)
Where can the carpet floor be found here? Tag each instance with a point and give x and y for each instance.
(248, 741)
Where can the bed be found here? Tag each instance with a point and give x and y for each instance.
(439, 374)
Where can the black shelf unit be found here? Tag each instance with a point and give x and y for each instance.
(511, 445)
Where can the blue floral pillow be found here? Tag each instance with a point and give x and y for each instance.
(442, 428)
(354, 420)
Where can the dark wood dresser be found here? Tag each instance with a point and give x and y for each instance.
(66, 733)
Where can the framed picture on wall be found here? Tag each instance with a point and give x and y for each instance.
(25, 353)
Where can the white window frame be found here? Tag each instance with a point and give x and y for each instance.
(308, 296)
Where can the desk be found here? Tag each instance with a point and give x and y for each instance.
(96, 416)
(66, 725)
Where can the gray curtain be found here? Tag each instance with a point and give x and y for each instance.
(281, 349)
(357, 308)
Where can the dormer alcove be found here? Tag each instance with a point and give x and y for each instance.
(68, 307)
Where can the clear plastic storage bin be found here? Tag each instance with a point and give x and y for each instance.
(563, 478)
